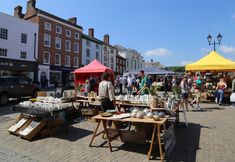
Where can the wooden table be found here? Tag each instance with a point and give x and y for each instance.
(157, 125)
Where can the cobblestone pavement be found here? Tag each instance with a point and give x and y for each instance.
(209, 138)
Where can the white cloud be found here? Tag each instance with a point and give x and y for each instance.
(159, 52)
(183, 63)
(233, 16)
(227, 49)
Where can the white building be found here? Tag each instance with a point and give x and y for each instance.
(109, 54)
(91, 48)
(134, 60)
(18, 46)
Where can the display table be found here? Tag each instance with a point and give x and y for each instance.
(40, 119)
(156, 126)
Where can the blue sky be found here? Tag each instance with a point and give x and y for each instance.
(170, 31)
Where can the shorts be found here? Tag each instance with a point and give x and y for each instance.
(184, 95)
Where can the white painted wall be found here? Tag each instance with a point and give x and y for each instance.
(109, 55)
(131, 57)
(13, 44)
(93, 51)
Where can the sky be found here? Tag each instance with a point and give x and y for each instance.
(173, 32)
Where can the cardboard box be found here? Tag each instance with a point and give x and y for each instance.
(90, 112)
(18, 124)
(133, 137)
(31, 130)
(48, 131)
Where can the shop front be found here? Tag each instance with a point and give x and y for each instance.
(60, 74)
(10, 67)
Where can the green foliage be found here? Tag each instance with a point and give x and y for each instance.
(152, 90)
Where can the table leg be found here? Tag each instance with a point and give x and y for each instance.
(159, 141)
(152, 141)
(106, 133)
(94, 135)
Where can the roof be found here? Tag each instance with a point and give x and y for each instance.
(94, 67)
(153, 70)
(213, 61)
(56, 17)
(92, 39)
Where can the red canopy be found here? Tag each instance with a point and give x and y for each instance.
(94, 67)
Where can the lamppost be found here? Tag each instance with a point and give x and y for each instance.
(219, 38)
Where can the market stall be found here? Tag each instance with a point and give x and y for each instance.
(216, 65)
(41, 116)
(95, 68)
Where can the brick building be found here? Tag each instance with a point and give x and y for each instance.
(120, 64)
(59, 43)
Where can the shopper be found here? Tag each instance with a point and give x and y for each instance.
(92, 83)
(165, 83)
(184, 91)
(106, 92)
(220, 91)
(143, 83)
(86, 87)
(129, 84)
(196, 90)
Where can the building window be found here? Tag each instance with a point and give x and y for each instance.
(3, 52)
(68, 33)
(88, 53)
(3, 33)
(88, 43)
(112, 61)
(58, 43)
(67, 45)
(97, 55)
(76, 47)
(23, 38)
(46, 57)
(67, 60)
(47, 26)
(23, 55)
(111, 50)
(127, 62)
(47, 40)
(97, 46)
(57, 59)
(75, 62)
(87, 61)
(58, 30)
(76, 35)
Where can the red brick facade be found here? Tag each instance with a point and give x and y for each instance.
(120, 64)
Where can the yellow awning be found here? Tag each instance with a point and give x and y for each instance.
(213, 61)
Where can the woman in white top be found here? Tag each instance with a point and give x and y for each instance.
(184, 91)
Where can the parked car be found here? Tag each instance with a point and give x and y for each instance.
(16, 87)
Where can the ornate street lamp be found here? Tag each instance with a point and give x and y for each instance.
(219, 38)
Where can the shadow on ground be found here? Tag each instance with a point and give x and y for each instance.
(73, 134)
(187, 143)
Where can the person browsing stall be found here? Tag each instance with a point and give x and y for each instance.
(143, 83)
(220, 90)
(106, 92)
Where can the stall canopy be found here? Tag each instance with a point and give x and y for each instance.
(211, 62)
(95, 68)
(153, 71)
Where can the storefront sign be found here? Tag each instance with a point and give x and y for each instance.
(169, 140)
(61, 68)
(20, 65)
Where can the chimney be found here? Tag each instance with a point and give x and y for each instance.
(18, 12)
(73, 20)
(106, 38)
(91, 32)
(31, 4)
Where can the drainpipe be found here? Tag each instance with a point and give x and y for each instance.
(34, 50)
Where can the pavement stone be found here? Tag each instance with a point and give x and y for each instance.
(209, 138)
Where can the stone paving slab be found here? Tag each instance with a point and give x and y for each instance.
(209, 138)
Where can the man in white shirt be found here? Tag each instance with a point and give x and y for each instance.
(106, 93)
